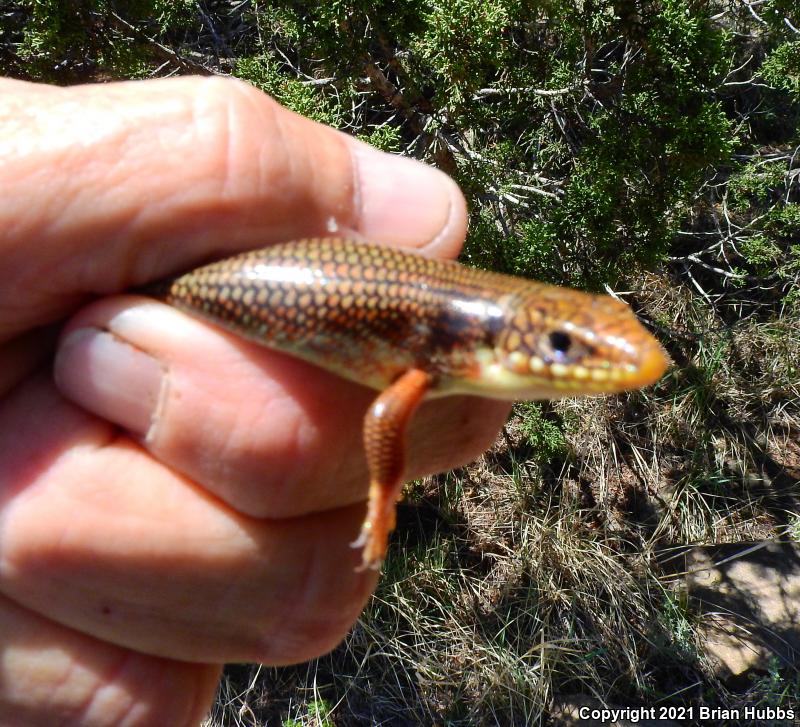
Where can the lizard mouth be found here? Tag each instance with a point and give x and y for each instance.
(591, 369)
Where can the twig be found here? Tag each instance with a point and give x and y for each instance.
(535, 190)
(719, 271)
(485, 92)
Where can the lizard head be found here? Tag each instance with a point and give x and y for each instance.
(549, 342)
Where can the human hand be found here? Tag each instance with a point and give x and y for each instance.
(173, 497)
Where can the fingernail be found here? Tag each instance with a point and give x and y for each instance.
(403, 199)
(109, 377)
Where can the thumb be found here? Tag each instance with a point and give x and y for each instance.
(108, 186)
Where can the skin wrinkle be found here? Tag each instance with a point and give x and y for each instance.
(180, 128)
(432, 246)
(231, 452)
(220, 461)
(297, 430)
(59, 265)
(188, 204)
(110, 678)
(199, 705)
(299, 436)
(350, 215)
(132, 705)
(289, 137)
(65, 676)
(129, 220)
(299, 469)
(306, 437)
(269, 118)
(357, 199)
(236, 581)
(91, 177)
(303, 595)
(214, 130)
(76, 711)
(199, 490)
(84, 432)
(242, 102)
(275, 167)
(230, 142)
(283, 488)
(122, 719)
(18, 284)
(110, 182)
(162, 401)
(236, 585)
(287, 171)
(297, 629)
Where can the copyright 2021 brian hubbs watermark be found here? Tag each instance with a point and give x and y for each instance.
(701, 714)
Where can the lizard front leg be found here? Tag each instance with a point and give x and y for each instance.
(385, 427)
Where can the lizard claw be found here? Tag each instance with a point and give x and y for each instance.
(374, 541)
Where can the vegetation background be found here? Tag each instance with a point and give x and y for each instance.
(647, 147)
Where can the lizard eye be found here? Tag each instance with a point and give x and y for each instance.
(560, 342)
(561, 347)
